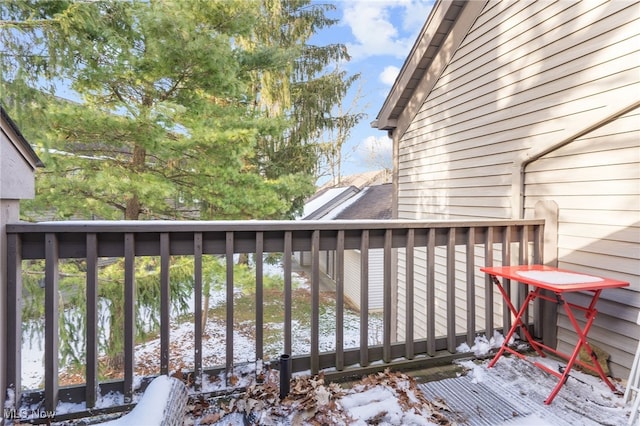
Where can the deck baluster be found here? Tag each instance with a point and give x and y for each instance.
(91, 333)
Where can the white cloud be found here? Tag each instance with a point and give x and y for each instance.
(372, 25)
(379, 144)
(376, 151)
(389, 74)
(415, 15)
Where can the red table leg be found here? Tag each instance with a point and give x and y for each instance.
(517, 322)
(582, 342)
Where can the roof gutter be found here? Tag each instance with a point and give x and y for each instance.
(530, 156)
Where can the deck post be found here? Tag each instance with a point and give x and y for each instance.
(548, 210)
(9, 362)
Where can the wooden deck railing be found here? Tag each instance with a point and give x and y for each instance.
(499, 242)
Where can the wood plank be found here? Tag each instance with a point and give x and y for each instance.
(523, 259)
(470, 290)
(197, 312)
(14, 318)
(339, 279)
(288, 331)
(230, 303)
(51, 325)
(259, 265)
(386, 312)
(315, 302)
(431, 293)
(364, 298)
(91, 331)
(506, 283)
(165, 302)
(488, 285)
(451, 291)
(409, 304)
(129, 314)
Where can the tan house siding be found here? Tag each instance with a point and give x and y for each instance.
(595, 180)
(528, 76)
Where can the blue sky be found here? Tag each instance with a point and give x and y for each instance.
(379, 35)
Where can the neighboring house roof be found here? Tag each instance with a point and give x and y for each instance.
(360, 180)
(372, 202)
(20, 142)
(329, 197)
(325, 200)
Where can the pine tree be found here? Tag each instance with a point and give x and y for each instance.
(307, 90)
(162, 127)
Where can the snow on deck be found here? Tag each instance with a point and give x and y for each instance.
(513, 393)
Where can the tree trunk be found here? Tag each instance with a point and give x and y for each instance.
(132, 211)
(133, 207)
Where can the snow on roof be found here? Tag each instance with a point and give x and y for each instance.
(371, 202)
(323, 202)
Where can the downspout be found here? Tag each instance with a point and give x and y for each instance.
(545, 326)
(520, 164)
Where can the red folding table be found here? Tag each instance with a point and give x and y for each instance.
(558, 281)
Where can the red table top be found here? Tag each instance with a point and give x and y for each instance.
(554, 279)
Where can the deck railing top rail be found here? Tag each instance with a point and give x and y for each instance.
(251, 225)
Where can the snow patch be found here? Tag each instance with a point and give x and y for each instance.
(482, 346)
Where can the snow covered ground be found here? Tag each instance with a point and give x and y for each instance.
(214, 351)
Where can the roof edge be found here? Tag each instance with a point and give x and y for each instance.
(442, 11)
(24, 144)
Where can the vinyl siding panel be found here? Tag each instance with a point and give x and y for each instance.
(352, 278)
(599, 172)
(527, 76)
(420, 326)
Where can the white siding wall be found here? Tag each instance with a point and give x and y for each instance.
(352, 278)
(352, 275)
(527, 75)
(595, 180)
(16, 174)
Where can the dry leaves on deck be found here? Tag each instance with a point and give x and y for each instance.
(311, 401)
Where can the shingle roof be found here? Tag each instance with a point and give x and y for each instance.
(373, 202)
